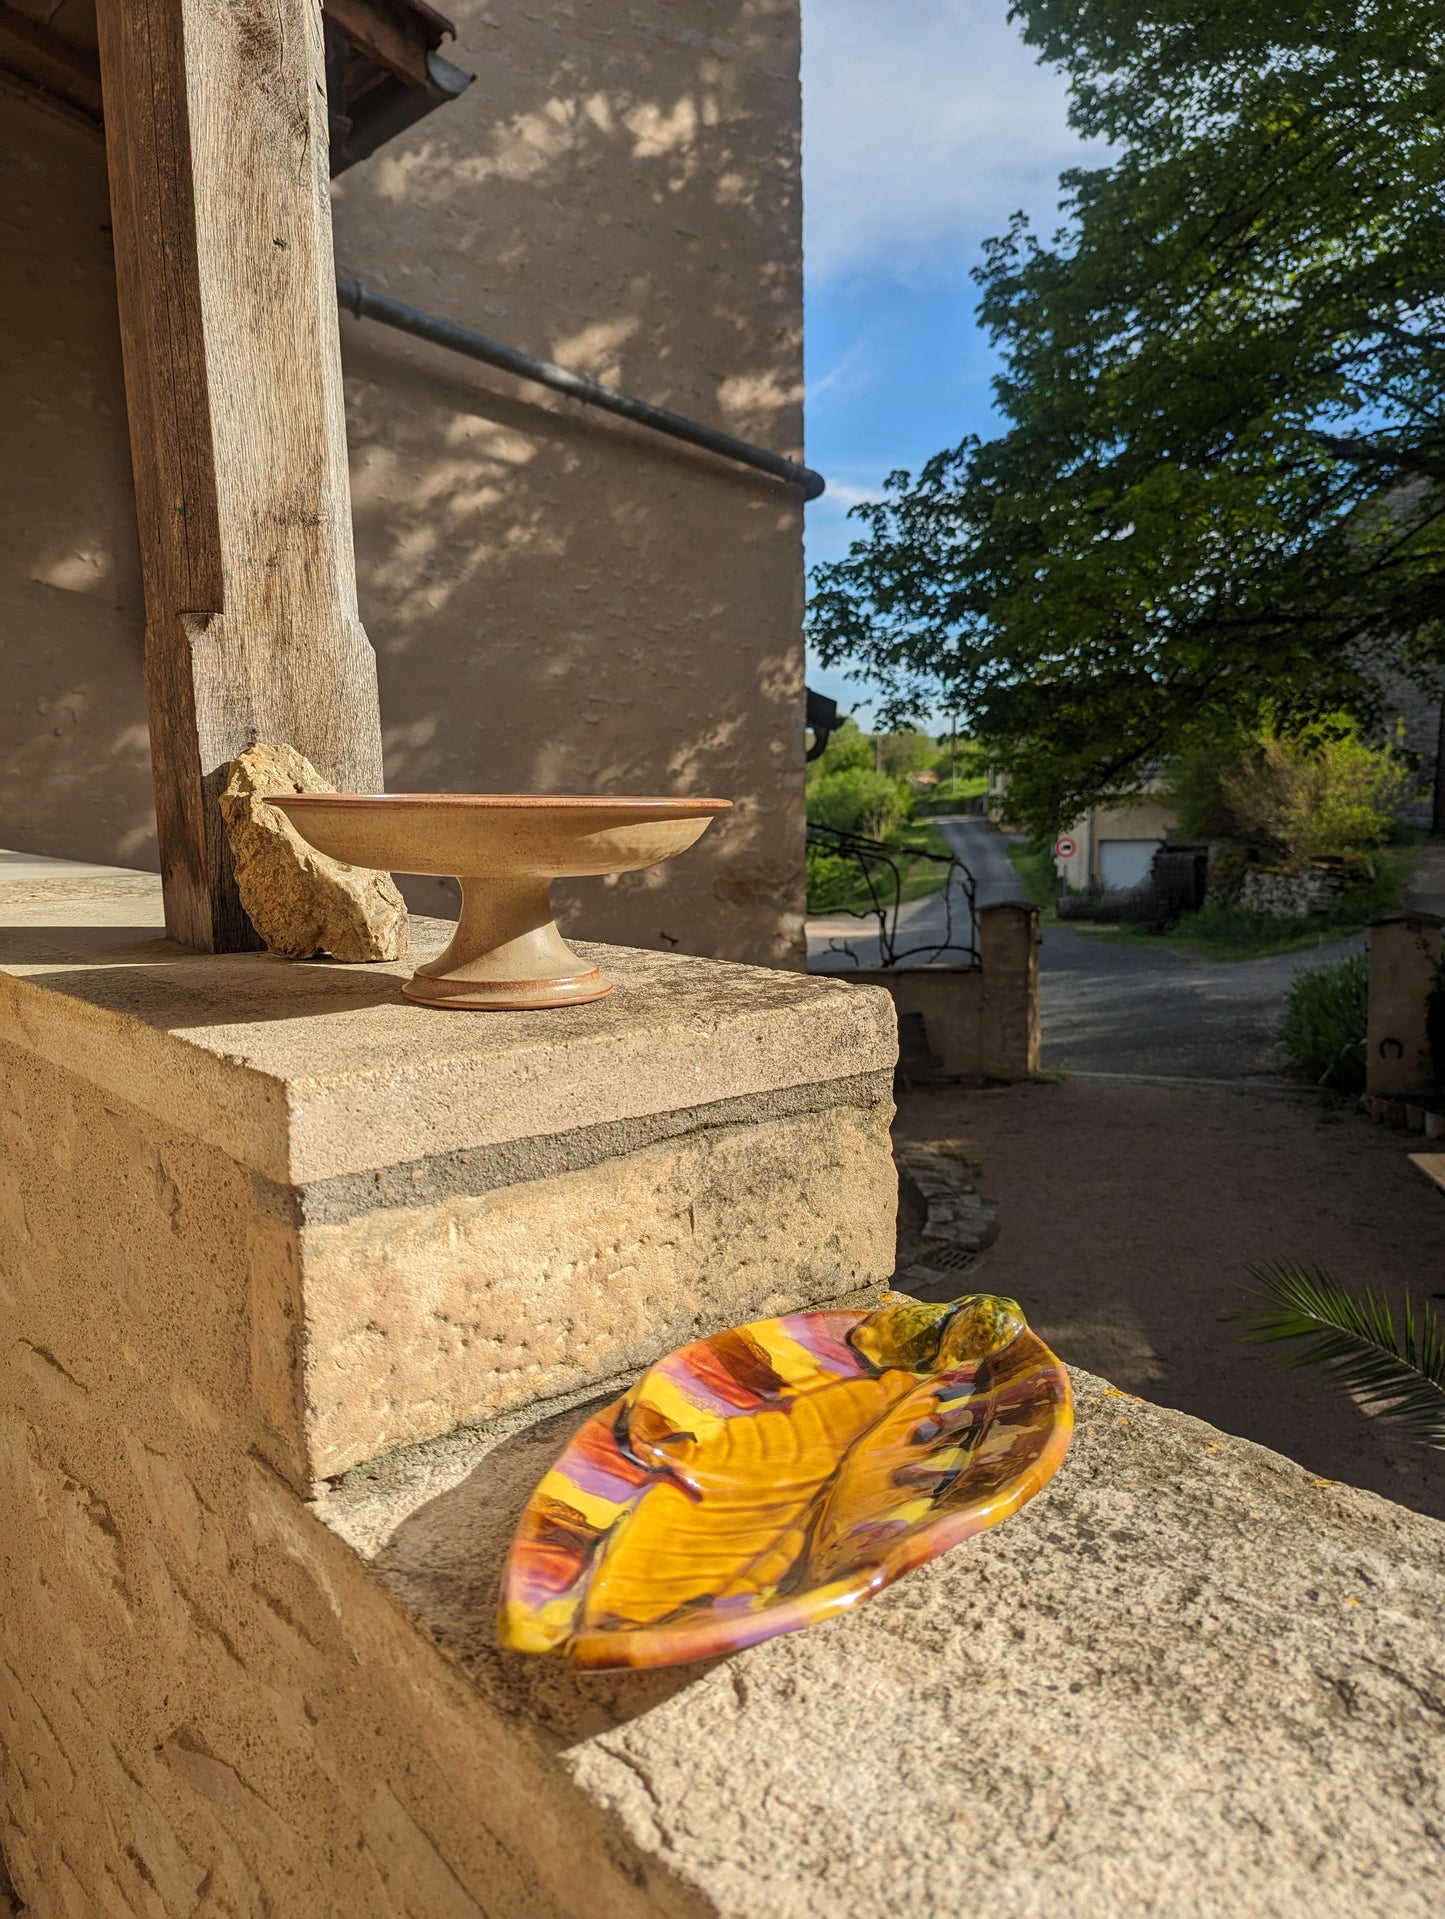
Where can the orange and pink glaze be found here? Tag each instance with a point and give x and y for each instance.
(756, 1482)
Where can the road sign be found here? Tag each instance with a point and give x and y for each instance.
(1064, 849)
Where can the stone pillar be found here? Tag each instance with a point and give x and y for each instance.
(1008, 944)
(1405, 1054)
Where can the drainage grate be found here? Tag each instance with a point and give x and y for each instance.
(953, 1259)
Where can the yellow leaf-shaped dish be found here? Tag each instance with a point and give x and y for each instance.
(770, 1476)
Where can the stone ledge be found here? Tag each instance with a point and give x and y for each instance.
(1189, 1679)
(420, 1316)
(311, 1071)
(445, 1215)
(487, 1169)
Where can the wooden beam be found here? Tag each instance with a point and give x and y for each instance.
(398, 42)
(215, 116)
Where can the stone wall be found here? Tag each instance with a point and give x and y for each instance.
(247, 1240)
(450, 1215)
(970, 1023)
(206, 1706)
(1207, 1681)
(1286, 894)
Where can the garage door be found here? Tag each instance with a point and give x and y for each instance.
(1125, 862)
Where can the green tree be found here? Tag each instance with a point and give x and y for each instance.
(846, 747)
(1217, 496)
(857, 800)
(907, 752)
(1302, 795)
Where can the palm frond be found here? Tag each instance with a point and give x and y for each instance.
(1398, 1373)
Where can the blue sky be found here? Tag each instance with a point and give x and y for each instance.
(926, 123)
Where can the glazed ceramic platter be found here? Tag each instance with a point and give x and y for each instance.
(755, 1482)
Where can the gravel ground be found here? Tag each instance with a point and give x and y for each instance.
(1111, 1007)
(1130, 1218)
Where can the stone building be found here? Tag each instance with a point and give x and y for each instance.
(559, 601)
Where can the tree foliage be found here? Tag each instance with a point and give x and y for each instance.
(847, 746)
(1397, 1372)
(907, 752)
(1217, 494)
(1300, 795)
(858, 800)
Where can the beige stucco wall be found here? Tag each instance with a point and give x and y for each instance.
(558, 601)
(1146, 818)
(74, 759)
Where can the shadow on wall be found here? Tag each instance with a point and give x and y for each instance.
(561, 602)
(74, 753)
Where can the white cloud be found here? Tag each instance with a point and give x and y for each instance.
(925, 124)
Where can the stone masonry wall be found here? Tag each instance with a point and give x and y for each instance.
(418, 1317)
(257, 1219)
(206, 1706)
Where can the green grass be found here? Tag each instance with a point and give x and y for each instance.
(1224, 933)
(920, 878)
(1037, 874)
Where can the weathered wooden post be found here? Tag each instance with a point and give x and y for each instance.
(215, 114)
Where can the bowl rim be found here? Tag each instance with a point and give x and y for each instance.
(504, 801)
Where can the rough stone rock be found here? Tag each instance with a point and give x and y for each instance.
(301, 902)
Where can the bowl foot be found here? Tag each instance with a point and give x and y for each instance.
(506, 954)
(507, 995)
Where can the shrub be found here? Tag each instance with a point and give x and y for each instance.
(1301, 795)
(831, 879)
(857, 800)
(905, 753)
(1325, 1019)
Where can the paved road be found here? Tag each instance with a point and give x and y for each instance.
(1107, 1006)
(928, 925)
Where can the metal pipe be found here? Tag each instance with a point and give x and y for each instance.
(367, 304)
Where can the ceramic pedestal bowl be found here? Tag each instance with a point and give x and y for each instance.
(506, 849)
